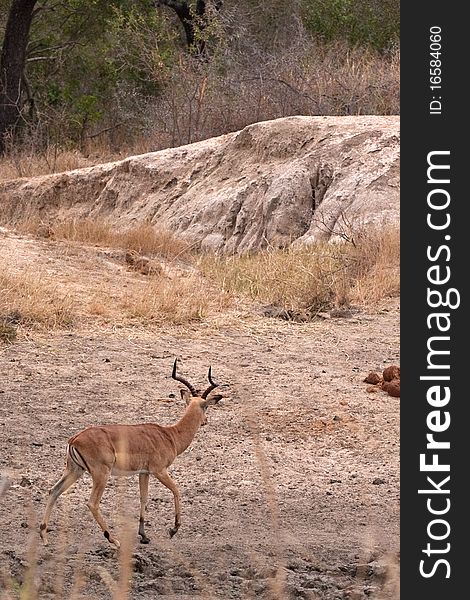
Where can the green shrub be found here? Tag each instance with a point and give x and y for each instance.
(362, 22)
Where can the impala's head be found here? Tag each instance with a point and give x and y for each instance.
(195, 397)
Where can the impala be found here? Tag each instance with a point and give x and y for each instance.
(145, 449)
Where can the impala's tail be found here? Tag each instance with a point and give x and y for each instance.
(76, 458)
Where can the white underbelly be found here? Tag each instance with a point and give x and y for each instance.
(126, 473)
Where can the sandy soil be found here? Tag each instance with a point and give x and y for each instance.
(290, 491)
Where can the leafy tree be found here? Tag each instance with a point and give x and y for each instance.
(79, 57)
(71, 70)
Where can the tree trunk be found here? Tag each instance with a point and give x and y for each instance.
(12, 63)
(193, 17)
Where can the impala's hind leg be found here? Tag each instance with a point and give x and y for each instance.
(71, 475)
(144, 493)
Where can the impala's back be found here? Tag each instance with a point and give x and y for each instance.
(123, 449)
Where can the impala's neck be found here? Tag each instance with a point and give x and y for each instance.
(186, 428)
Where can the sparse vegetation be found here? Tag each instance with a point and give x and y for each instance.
(300, 281)
(158, 298)
(314, 278)
(103, 79)
(143, 238)
(30, 300)
(176, 302)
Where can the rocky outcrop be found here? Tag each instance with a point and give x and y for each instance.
(274, 182)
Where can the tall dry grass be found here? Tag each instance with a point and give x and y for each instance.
(26, 299)
(186, 300)
(299, 280)
(143, 238)
(314, 278)
(30, 160)
(377, 269)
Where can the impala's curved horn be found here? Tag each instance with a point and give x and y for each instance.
(182, 380)
(212, 386)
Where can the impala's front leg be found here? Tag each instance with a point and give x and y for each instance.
(144, 492)
(168, 482)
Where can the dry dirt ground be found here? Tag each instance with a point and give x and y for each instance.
(290, 491)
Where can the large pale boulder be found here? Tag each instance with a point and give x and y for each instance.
(274, 182)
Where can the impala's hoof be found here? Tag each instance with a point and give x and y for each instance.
(144, 539)
(172, 531)
(43, 534)
(111, 540)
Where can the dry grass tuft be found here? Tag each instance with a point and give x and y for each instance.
(33, 161)
(27, 299)
(188, 299)
(377, 258)
(145, 238)
(292, 278)
(316, 277)
(142, 238)
(90, 231)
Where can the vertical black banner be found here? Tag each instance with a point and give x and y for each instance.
(435, 249)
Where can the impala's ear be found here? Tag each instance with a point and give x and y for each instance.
(186, 396)
(212, 400)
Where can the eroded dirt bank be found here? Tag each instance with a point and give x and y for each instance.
(294, 178)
